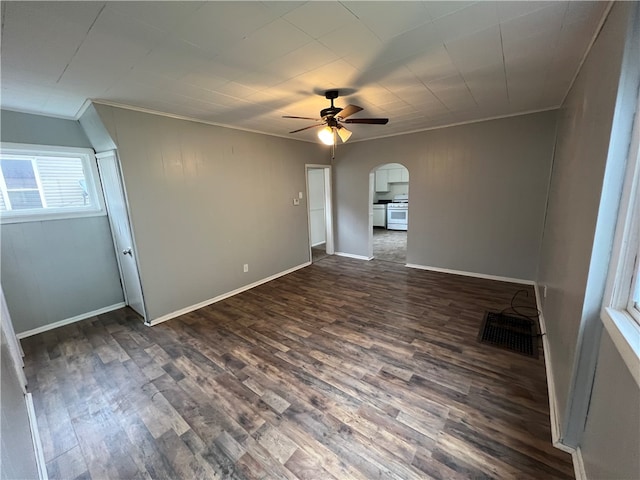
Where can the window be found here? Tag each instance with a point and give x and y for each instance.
(634, 299)
(46, 183)
(621, 312)
(633, 257)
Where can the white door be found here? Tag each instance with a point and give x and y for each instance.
(122, 238)
(316, 201)
(319, 206)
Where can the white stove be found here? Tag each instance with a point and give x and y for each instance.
(398, 212)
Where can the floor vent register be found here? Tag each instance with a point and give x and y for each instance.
(516, 334)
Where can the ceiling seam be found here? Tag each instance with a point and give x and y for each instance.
(104, 5)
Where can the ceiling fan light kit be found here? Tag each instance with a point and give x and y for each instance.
(332, 118)
(326, 135)
(344, 134)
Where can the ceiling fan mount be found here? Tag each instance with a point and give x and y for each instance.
(331, 111)
(332, 119)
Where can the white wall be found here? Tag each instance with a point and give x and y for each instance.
(56, 269)
(317, 206)
(581, 218)
(204, 200)
(477, 191)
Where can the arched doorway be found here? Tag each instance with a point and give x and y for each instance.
(390, 212)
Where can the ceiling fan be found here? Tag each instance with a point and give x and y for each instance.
(333, 118)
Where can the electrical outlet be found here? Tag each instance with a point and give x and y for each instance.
(245, 268)
(296, 201)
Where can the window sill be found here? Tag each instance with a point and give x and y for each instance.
(43, 217)
(625, 333)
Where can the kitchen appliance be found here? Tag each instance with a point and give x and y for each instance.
(398, 212)
(380, 215)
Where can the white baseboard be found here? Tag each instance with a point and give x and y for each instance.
(67, 321)
(210, 301)
(578, 464)
(551, 386)
(351, 255)
(554, 418)
(35, 436)
(472, 274)
(318, 243)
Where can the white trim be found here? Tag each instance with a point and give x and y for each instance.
(35, 437)
(472, 274)
(328, 206)
(210, 301)
(554, 418)
(101, 158)
(370, 197)
(67, 321)
(91, 176)
(578, 464)
(83, 108)
(223, 125)
(457, 124)
(15, 349)
(45, 217)
(625, 334)
(351, 255)
(192, 119)
(328, 197)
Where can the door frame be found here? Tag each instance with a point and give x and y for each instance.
(328, 206)
(114, 153)
(372, 186)
(372, 182)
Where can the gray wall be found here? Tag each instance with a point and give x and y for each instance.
(36, 129)
(56, 269)
(612, 432)
(204, 200)
(575, 248)
(477, 193)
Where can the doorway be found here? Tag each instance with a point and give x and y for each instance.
(319, 212)
(389, 212)
(118, 214)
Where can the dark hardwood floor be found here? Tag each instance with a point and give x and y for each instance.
(344, 369)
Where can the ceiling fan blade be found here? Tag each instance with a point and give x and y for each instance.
(349, 110)
(373, 121)
(307, 128)
(301, 118)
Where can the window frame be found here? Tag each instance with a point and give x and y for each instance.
(90, 170)
(620, 318)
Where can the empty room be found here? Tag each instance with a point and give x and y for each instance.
(211, 267)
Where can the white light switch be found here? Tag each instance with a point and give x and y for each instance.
(299, 194)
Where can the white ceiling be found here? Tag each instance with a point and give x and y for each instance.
(245, 64)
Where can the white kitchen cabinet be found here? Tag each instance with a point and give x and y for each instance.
(395, 175)
(380, 216)
(390, 173)
(382, 180)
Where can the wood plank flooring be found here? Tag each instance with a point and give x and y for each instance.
(342, 370)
